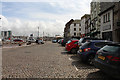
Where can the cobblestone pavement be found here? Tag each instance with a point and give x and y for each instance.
(49, 60)
(15, 45)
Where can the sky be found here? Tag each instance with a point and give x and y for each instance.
(24, 18)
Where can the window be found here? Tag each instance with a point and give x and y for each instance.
(79, 24)
(74, 24)
(112, 49)
(69, 41)
(74, 34)
(103, 18)
(74, 29)
(76, 42)
(108, 17)
(79, 29)
(86, 45)
(101, 44)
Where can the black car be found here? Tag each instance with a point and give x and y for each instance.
(107, 60)
(54, 41)
(88, 50)
(64, 41)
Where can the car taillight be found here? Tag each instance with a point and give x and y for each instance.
(68, 44)
(62, 40)
(113, 58)
(87, 49)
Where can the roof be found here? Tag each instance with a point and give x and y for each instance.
(74, 40)
(102, 12)
(114, 44)
(86, 15)
(99, 41)
(76, 21)
(69, 22)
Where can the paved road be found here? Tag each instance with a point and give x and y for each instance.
(49, 60)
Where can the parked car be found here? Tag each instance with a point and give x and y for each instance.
(83, 40)
(6, 41)
(72, 46)
(54, 41)
(18, 40)
(60, 41)
(107, 60)
(40, 42)
(65, 40)
(88, 50)
(31, 40)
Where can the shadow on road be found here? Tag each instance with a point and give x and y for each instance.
(60, 45)
(75, 57)
(81, 65)
(99, 76)
(64, 52)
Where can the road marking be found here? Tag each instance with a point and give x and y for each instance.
(76, 68)
(70, 59)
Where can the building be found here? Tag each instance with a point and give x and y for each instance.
(88, 27)
(67, 29)
(116, 23)
(95, 19)
(75, 28)
(83, 21)
(110, 21)
(6, 34)
(106, 16)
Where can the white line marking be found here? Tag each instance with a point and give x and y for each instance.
(76, 68)
(70, 59)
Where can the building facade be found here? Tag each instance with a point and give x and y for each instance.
(110, 21)
(83, 24)
(106, 16)
(67, 29)
(6, 34)
(75, 28)
(95, 19)
(116, 22)
(88, 27)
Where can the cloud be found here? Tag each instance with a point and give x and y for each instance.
(20, 27)
(24, 18)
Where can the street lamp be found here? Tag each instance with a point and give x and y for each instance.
(38, 32)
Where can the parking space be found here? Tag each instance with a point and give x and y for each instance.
(49, 60)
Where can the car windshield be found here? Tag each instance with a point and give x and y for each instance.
(85, 45)
(69, 41)
(80, 41)
(111, 48)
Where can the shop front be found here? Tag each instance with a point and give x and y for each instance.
(107, 35)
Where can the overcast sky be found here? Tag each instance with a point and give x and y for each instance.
(24, 18)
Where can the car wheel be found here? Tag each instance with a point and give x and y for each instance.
(91, 59)
(73, 51)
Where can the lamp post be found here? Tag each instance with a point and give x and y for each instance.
(38, 32)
